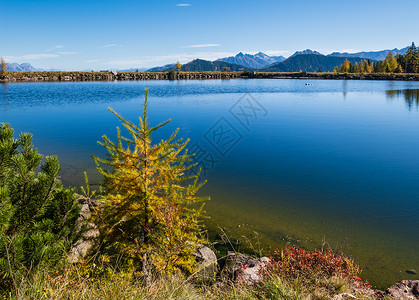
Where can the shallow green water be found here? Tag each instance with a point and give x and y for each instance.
(335, 163)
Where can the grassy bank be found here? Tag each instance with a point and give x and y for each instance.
(72, 282)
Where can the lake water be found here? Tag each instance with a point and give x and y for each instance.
(334, 163)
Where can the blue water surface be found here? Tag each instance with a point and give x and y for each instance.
(335, 163)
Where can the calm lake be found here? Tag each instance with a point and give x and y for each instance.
(303, 162)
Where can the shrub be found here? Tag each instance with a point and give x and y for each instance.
(171, 75)
(308, 266)
(37, 215)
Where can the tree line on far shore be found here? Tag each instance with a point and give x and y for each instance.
(408, 63)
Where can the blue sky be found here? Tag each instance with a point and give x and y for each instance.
(90, 34)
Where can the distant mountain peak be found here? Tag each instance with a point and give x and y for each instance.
(256, 61)
(15, 67)
(307, 51)
(261, 54)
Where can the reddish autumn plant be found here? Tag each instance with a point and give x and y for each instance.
(308, 266)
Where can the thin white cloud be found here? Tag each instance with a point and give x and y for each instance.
(32, 56)
(111, 45)
(202, 46)
(150, 61)
(55, 48)
(343, 51)
(277, 52)
(68, 53)
(183, 4)
(92, 60)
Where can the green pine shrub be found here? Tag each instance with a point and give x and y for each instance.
(37, 215)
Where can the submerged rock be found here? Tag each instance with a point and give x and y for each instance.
(404, 290)
(244, 269)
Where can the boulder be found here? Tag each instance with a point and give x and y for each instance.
(244, 269)
(87, 242)
(207, 264)
(404, 290)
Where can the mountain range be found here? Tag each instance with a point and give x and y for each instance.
(25, 67)
(309, 63)
(256, 61)
(306, 60)
(373, 55)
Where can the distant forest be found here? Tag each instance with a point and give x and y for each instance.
(408, 63)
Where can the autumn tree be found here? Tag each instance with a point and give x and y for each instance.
(149, 216)
(178, 66)
(356, 68)
(346, 66)
(391, 62)
(3, 66)
(369, 67)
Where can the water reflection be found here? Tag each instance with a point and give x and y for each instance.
(410, 96)
(344, 88)
(5, 101)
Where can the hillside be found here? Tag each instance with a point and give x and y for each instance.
(200, 65)
(205, 65)
(162, 68)
(309, 63)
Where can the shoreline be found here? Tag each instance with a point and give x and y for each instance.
(45, 76)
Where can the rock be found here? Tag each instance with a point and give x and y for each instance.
(207, 263)
(411, 271)
(243, 269)
(344, 296)
(88, 241)
(404, 290)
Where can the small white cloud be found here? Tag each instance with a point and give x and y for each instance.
(111, 45)
(31, 56)
(202, 46)
(183, 4)
(55, 48)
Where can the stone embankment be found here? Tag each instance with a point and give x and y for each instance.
(124, 76)
(351, 76)
(112, 76)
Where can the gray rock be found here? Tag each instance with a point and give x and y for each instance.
(87, 242)
(344, 296)
(206, 262)
(243, 269)
(404, 290)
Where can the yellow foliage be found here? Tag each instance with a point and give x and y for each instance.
(149, 211)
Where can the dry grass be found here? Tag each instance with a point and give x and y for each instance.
(68, 284)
